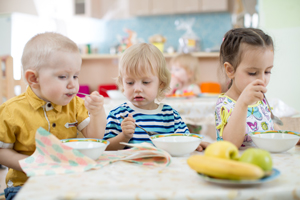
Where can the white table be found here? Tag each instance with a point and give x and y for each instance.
(123, 180)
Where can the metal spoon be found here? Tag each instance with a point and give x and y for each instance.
(83, 94)
(274, 118)
(150, 133)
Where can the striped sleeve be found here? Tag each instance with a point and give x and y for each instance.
(180, 126)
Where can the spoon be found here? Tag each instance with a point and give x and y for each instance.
(150, 133)
(273, 117)
(83, 94)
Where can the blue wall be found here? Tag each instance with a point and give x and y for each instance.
(209, 27)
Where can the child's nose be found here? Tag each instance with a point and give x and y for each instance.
(71, 84)
(138, 87)
(262, 77)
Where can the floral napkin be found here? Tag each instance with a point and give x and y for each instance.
(52, 157)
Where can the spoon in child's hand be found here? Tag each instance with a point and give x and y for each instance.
(273, 117)
(150, 133)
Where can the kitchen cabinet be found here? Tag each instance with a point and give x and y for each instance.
(187, 6)
(103, 69)
(214, 5)
(88, 8)
(117, 9)
(139, 7)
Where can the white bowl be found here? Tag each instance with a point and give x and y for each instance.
(177, 144)
(115, 94)
(275, 141)
(92, 148)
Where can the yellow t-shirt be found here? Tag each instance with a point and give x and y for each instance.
(21, 116)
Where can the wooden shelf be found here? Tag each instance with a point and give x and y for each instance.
(116, 56)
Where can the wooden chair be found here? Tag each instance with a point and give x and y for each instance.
(7, 81)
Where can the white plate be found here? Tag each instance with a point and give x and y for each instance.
(274, 175)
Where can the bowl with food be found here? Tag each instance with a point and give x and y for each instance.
(275, 141)
(177, 144)
(90, 147)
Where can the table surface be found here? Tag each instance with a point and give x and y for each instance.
(121, 180)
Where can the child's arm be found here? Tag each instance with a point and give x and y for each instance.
(96, 128)
(235, 129)
(128, 128)
(10, 158)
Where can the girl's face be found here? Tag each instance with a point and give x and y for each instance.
(141, 91)
(256, 63)
(58, 81)
(180, 73)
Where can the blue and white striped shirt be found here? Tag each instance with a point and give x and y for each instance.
(163, 120)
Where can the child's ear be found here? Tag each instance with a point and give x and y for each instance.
(31, 76)
(229, 69)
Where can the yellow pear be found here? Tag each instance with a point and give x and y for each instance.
(222, 149)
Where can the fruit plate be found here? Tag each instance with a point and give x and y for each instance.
(275, 173)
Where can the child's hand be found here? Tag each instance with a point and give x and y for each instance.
(94, 103)
(202, 146)
(128, 126)
(253, 92)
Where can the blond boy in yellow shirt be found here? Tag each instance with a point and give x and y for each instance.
(51, 64)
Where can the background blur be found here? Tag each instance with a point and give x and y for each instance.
(101, 25)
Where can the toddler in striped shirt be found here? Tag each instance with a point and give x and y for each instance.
(143, 78)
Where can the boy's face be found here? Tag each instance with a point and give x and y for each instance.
(255, 64)
(141, 91)
(58, 80)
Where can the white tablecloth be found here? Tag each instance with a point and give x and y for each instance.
(122, 180)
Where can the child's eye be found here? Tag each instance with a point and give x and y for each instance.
(129, 83)
(61, 77)
(268, 72)
(146, 82)
(75, 77)
(252, 74)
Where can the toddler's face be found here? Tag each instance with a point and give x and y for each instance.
(141, 91)
(255, 64)
(58, 80)
(180, 74)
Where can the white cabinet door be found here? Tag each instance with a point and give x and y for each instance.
(187, 6)
(139, 7)
(162, 7)
(213, 5)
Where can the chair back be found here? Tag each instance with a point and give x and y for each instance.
(7, 81)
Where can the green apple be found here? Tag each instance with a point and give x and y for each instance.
(222, 149)
(259, 157)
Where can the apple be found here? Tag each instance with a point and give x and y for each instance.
(259, 157)
(222, 149)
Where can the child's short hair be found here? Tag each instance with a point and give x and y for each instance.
(39, 47)
(188, 62)
(143, 58)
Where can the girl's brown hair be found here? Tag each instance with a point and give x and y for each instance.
(235, 43)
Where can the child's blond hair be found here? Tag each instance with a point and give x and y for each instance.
(188, 62)
(39, 47)
(141, 59)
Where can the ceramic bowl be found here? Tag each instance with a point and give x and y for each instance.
(92, 148)
(115, 94)
(177, 144)
(275, 141)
